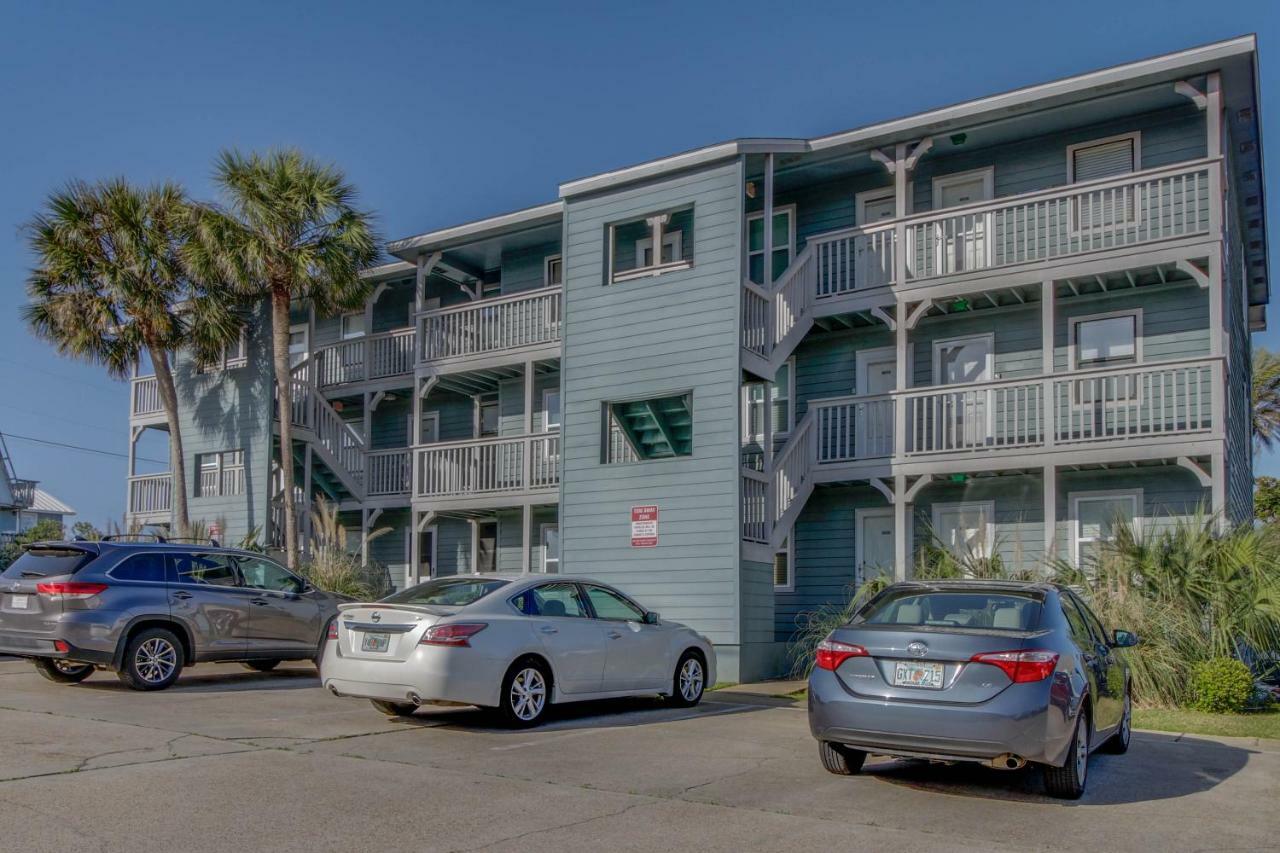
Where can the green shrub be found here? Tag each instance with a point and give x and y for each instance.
(1221, 686)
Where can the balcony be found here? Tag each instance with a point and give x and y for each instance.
(144, 398)
(151, 496)
(485, 467)
(24, 493)
(1064, 411)
(388, 473)
(486, 327)
(365, 359)
(994, 237)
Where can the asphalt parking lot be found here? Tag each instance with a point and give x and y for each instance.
(229, 759)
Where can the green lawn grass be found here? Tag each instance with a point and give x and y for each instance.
(1253, 724)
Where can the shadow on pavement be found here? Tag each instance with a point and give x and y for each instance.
(198, 680)
(1156, 767)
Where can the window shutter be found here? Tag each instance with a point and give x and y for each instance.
(1102, 161)
(782, 567)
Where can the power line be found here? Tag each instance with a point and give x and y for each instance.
(81, 448)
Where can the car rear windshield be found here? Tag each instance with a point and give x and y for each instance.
(447, 592)
(996, 610)
(46, 563)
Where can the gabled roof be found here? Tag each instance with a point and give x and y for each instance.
(45, 502)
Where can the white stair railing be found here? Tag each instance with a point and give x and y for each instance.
(340, 440)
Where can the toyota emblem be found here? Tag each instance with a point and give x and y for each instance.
(377, 617)
(917, 648)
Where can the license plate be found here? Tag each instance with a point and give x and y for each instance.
(18, 602)
(917, 674)
(375, 643)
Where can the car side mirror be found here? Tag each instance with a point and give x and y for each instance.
(1124, 640)
(651, 618)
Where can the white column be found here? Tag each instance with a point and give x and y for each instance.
(415, 543)
(364, 536)
(526, 536)
(528, 397)
(1048, 347)
(900, 202)
(1213, 114)
(1050, 510)
(901, 534)
(1218, 487)
(899, 401)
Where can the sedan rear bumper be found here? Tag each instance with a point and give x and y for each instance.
(437, 674)
(1024, 719)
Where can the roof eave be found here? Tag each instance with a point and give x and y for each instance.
(529, 217)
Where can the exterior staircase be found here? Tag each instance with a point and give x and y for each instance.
(335, 442)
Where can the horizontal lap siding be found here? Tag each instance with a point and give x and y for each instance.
(511, 403)
(1019, 514)
(389, 424)
(391, 549)
(525, 269)
(230, 410)
(1169, 493)
(1015, 331)
(1175, 320)
(652, 337)
(394, 309)
(453, 546)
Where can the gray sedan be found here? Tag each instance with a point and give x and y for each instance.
(517, 643)
(1002, 673)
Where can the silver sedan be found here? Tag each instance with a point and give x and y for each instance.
(514, 642)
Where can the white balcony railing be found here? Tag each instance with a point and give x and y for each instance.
(151, 494)
(1108, 214)
(1114, 404)
(388, 472)
(490, 325)
(24, 492)
(366, 358)
(145, 397)
(487, 466)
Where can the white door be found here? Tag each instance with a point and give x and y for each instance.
(962, 419)
(877, 374)
(963, 242)
(873, 543)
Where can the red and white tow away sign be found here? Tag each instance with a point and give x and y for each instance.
(644, 526)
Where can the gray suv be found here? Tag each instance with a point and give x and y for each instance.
(147, 609)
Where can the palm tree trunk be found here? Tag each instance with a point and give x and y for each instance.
(177, 459)
(284, 401)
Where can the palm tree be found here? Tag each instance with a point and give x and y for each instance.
(289, 230)
(109, 286)
(1266, 397)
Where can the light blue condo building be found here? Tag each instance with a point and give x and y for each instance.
(737, 380)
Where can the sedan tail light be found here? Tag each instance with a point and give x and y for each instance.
(333, 630)
(832, 653)
(455, 634)
(70, 589)
(1022, 666)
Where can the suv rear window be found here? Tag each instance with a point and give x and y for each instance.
(447, 592)
(47, 563)
(996, 610)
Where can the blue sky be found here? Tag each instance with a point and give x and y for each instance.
(445, 112)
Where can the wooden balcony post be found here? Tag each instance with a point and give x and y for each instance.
(900, 425)
(1048, 347)
(526, 536)
(1050, 511)
(901, 535)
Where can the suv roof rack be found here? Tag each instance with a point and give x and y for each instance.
(194, 540)
(116, 537)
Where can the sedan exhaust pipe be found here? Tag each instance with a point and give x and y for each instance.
(415, 699)
(1008, 761)
(334, 691)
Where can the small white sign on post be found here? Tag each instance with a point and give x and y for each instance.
(644, 526)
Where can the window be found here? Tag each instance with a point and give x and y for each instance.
(38, 562)
(206, 569)
(783, 410)
(1103, 158)
(631, 245)
(299, 349)
(551, 409)
(782, 562)
(141, 567)
(1095, 161)
(1095, 625)
(553, 272)
(659, 428)
(1075, 621)
(486, 415)
(486, 546)
(446, 592)
(353, 325)
(264, 574)
(221, 474)
(1103, 339)
(608, 604)
(233, 355)
(784, 242)
(1097, 517)
(966, 529)
(552, 599)
(550, 538)
(991, 611)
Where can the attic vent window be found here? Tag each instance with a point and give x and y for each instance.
(640, 430)
(631, 245)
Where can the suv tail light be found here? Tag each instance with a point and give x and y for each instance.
(455, 634)
(832, 653)
(70, 589)
(333, 630)
(1022, 666)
